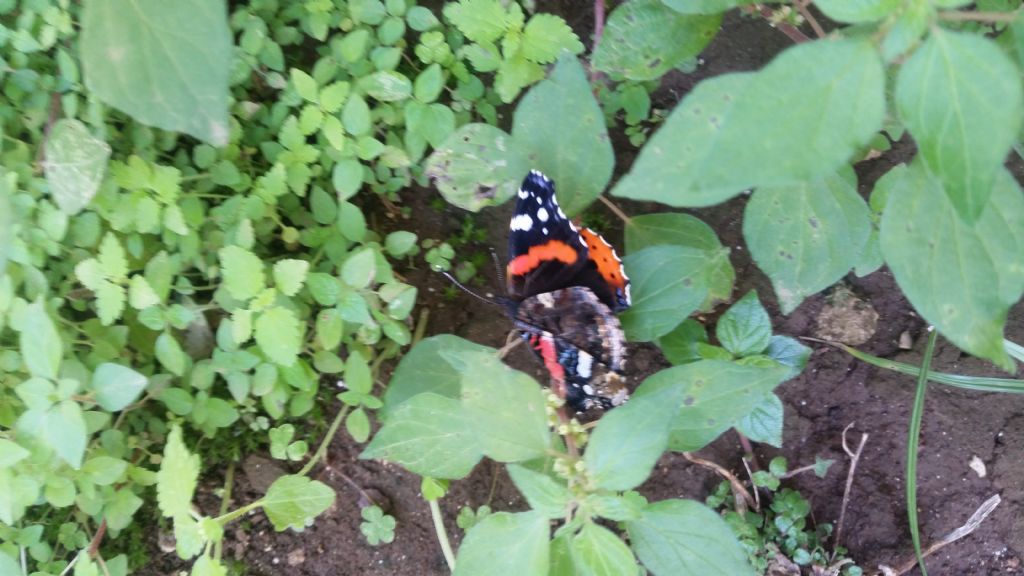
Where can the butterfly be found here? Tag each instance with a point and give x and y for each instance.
(565, 286)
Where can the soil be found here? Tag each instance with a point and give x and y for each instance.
(835, 391)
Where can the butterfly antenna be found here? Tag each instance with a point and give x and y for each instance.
(462, 287)
(497, 268)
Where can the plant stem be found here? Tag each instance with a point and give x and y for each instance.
(226, 519)
(322, 449)
(854, 459)
(442, 534)
(786, 28)
(987, 17)
(912, 445)
(801, 7)
(225, 501)
(615, 209)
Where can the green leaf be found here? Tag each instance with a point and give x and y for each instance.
(429, 435)
(479, 20)
(295, 501)
(429, 83)
(40, 345)
(505, 407)
(685, 230)
(289, 274)
(176, 480)
(477, 166)
(745, 329)
(305, 86)
(788, 352)
(66, 432)
(597, 551)
(546, 36)
(680, 346)
(359, 268)
(644, 39)
(169, 353)
(279, 335)
(112, 259)
(960, 98)
(387, 86)
(110, 299)
(358, 425)
(120, 509)
(764, 423)
(6, 219)
(716, 395)
(912, 21)
(685, 538)
(166, 64)
(434, 122)
(857, 11)
(505, 543)
(347, 178)
(961, 277)
(627, 442)
(560, 124)
(807, 236)
(242, 271)
(356, 116)
(798, 119)
(545, 494)
(668, 284)
(421, 19)
(74, 165)
(105, 470)
(116, 386)
(11, 453)
(59, 491)
(141, 294)
(704, 6)
(424, 369)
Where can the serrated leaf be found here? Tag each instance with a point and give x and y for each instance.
(140, 294)
(797, 119)
(428, 435)
(547, 36)
(112, 259)
(745, 329)
(116, 386)
(806, 236)
(305, 86)
(279, 335)
(685, 538)
(242, 272)
(477, 166)
(597, 551)
(479, 20)
(505, 543)
(644, 39)
(40, 345)
(948, 267)
(176, 480)
(764, 423)
(295, 501)
(961, 100)
(110, 300)
(289, 274)
(74, 165)
(560, 124)
(166, 64)
(241, 326)
(668, 284)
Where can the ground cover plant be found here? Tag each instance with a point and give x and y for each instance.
(201, 213)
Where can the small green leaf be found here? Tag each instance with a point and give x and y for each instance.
(429, 83)
(597, 550)
(545, 494)
(347, 178)
(668, 284)
(359, 268)
(177, 478)
(295, 501)
(358, 425)
(745, 329)
(680, 346)
(961, 100)
(356, 116)
(140, 294)
(74, 165)
(505, 543)
(279, 335)
(242, 271)
(329, 327)
(644, 39)
(11, 453)
(547, 36)
(764, 423)
(66, 432)
(421, 19)
(167, 64)
(289, 274)
(59, 491)
(110, 299)
(305, 85)
(477, 166)
(685, 538)
(479, 20)
(170, 354)
(116, 386)
(112, 259)
(560, 124)
(40, 345)
(385, 86)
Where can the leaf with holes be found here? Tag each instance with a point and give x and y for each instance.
(74, 165)
(477, 166)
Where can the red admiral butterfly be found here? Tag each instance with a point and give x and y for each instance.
(565, 285)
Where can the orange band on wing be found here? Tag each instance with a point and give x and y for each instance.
(551, 250)
(604, 256)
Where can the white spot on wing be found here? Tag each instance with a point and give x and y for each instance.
(523, 193)
(542, 215)
(545, 230)
(584, 365)
(521, 222)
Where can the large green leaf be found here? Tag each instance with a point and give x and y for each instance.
(164, 63)
(74, 165)
(597, 551)
(644, 39)
(668, 284)
(116, 386)
(503, 544)
(561, 127)
(704, 6)
(686, 538)
(960, 97)
(628, 441)
(685, 230)
(428, 434)
(424, 369)
(477, 166)
(798, 119)
(961, 277)
(716, 395)
(856, 11)
(506, 408)
(41, 347)
(806, 236)
(294, 501)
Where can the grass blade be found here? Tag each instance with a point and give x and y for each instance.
(1014, 349)
(913, 440)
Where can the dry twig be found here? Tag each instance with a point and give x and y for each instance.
(743, 498)
(854, 458)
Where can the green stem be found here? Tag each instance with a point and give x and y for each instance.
(322, 449)
(229, 481)
(442, 535)
(912, 445)
(226, 519)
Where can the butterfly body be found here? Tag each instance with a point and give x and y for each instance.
(565, 285)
